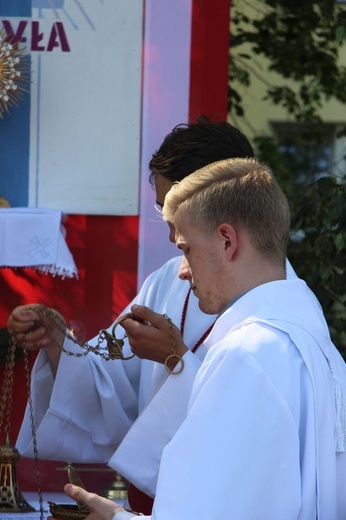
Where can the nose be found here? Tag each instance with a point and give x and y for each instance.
(184, 270)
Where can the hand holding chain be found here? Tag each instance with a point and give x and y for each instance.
(112, 350)
(114, 345)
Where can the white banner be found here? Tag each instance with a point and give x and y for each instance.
(85, 103)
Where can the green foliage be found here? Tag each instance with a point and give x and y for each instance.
(300, 41)
(340, 30)
(318, 235)
(320, 256)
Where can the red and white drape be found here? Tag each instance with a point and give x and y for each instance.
(185, 73)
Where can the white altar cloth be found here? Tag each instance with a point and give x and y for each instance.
(33, 500)
(33, 237)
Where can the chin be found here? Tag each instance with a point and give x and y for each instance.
(207, 309)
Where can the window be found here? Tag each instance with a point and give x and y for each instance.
(311, 152)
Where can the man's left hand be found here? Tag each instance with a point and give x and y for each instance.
(100, 508)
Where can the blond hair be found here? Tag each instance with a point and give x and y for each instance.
(241, 192)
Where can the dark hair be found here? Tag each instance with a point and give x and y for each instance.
(192, 146)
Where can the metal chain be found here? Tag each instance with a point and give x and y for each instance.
(174, 354)
(112, 350)
(6, 402)
(8, 388)
(33, 431)
(52, 322)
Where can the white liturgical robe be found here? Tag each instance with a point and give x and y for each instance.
(264, 437)
(93, 403)
(100, 411)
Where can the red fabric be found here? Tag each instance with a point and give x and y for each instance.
(105, 251)
(139, 501)
(210, 34)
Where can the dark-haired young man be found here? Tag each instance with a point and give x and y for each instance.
(124, 413)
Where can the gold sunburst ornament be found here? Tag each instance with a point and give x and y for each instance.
(14, 74)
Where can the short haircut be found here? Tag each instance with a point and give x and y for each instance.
(241, 192)
(189, 147)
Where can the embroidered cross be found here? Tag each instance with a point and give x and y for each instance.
(40, 247)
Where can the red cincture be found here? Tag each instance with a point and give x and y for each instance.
(182, 324)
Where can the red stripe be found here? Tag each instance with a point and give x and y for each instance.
(110, 268)
(210, 34)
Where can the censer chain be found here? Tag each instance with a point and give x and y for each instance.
(33, 432)
(6, 402)
(52, 322)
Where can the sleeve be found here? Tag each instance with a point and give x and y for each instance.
(227, 459)
(89, 406)
(127, 515)
(147, 438)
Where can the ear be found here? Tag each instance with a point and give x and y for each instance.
(228, 234)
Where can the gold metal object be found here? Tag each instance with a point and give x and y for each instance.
(14, 73)
(67, 511)
(112, 350)
(115, 348)
(117, 490)
(11, 498)
(174, 353)
(4, 202)
(74, 478)
(180, 360)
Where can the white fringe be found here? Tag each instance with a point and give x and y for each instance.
(54, 270)
(340, 425)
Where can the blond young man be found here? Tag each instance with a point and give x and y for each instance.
(264, 435)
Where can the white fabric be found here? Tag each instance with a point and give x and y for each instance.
(117, 418)
(94, 403)
(35, 238)
(126, 515)
(33, 515)
(259, 438)
(33, 500)
(165, 104)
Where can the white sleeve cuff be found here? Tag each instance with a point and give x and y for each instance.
(126, 515)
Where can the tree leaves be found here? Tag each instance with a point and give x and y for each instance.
(300, 42)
